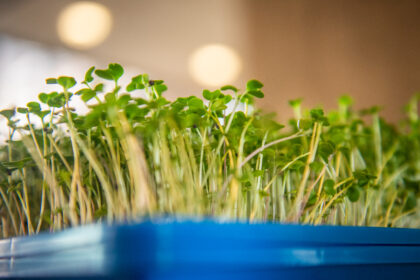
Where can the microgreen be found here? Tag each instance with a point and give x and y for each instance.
(131, 157)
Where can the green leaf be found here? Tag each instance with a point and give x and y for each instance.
(8, 113)
(363, 177)
(333, 116)
(136, 83)
(246, 97)
(194, 102)
(370, 111)
(83, 91)
(297, 165)
(66, 82)
(56, 100)
(316, 166)
(123, 100)
(411, 202)
(305, 124)
(179, 104)
(51, 81)
(141, 101)
(43, 113)
(110, 98)
(229, 87)
(88, 95)
(211, 95)
(17, 164)
(157, 103)
(116, 90)
(256, 93)
(312, 199)
(227, 99)
(22, 110)
(345, 100)
(145, 79)
(137, 79)
(318, 116)
(104, 74)
(93, 118)
(43, 97)
(132, 110)
(258, 173)
(325, 149)
(190, 120)
(116, 70)
(329, 187)
(130, 87)
(353, 194)
(158, 82)
(207, 94)
(34, 107)
(218, 105)
(99, 88)
(254, 85)
(160, 88)
(113, 73)
(295, 150)
(88, 75)
(295, 103)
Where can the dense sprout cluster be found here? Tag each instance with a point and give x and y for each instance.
(130, 158)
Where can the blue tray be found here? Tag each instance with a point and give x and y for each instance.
(212, 250)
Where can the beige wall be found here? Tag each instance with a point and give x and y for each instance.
(156, 36)
(321, 49)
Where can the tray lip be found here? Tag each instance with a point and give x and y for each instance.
(382, 235)
(162, 240)
(292, 235)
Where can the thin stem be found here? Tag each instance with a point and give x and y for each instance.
(262, 148)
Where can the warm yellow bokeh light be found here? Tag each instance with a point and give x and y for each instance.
(214, 65)
(83, 25)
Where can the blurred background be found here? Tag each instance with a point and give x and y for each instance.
(317, 50)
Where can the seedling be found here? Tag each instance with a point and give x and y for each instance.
(129, 158)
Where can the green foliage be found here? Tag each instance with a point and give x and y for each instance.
(329, 187)
(88, 75)
(345, 100)
(295, 102)
(66, 82)
(229, 87)
(8, 113)
(353, 194)
(113, 73)
(131, 157)
(211, 95)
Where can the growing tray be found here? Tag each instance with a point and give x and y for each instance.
(213, 250)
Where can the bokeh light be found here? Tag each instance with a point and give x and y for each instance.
(214, 65)
(83, 25)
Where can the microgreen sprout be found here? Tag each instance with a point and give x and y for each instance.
(128, 158)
